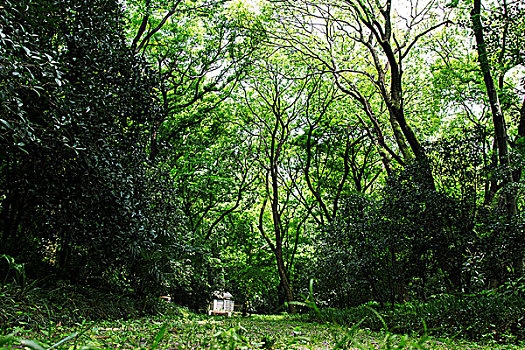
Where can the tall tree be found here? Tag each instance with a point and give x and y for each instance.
(200, 49)
(74, 103)
(274, 102)
(360, 41)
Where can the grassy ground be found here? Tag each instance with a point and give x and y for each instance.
(185, 330)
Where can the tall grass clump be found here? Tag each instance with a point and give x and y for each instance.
(487, 316)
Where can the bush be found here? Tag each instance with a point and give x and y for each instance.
(66, 305)
(492, 315)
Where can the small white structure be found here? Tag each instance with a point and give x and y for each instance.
(222, 304)
(166, 298)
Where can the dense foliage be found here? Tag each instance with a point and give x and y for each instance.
(154, 147)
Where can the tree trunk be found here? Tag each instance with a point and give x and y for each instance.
(500, 132)
(281, 268)
(394, 100)
(285, 282)
(399, 136)
(491, 185)
(520, 141)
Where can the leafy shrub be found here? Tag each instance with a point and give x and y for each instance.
(66, 305)
(492, 315)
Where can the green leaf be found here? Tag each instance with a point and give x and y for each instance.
(159, 335)
(63, 340)
(31, 344)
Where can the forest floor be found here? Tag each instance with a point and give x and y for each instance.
(190, 331)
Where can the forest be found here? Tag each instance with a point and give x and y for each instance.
(357, 162)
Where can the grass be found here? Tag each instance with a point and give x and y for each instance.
(180, 329)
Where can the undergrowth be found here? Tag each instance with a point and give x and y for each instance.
(477, 317)
(181, 329)
(72, 317)
(65, 305)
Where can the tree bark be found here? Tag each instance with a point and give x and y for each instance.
(521, 125)
(519, 142)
